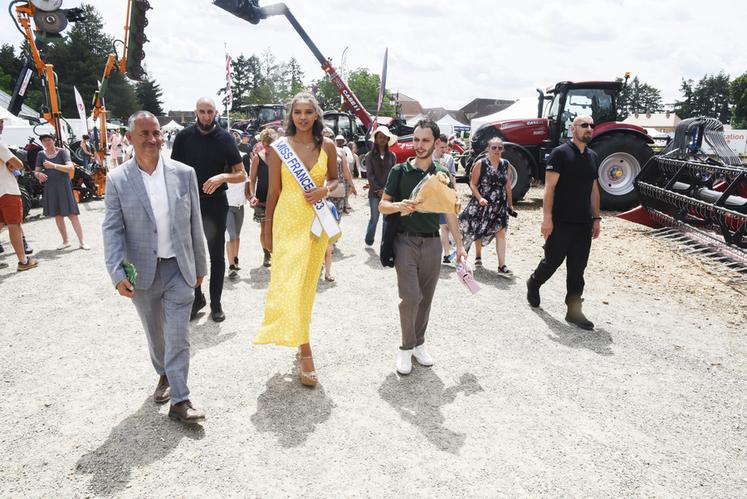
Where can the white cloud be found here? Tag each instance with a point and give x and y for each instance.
(446, 53)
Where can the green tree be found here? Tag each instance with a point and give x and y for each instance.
(256, 82)
(294, 77)
(9, 64)
(80, 59)
(250, 83)
(10, 69)
(326, 93)
(738, 94)
(365, 86)
(709, 97)
(121, 100)
(638, 98)
(149, 95)
(240, 82)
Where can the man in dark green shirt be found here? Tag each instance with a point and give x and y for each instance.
(417, 247)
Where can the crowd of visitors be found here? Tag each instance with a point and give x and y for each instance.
(176, 218)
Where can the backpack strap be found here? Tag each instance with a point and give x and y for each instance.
(399, 183)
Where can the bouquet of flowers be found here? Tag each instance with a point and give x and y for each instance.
(434, 195)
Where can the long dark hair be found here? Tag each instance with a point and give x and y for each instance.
(316, 128)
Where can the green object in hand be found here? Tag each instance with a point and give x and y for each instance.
(130, 272)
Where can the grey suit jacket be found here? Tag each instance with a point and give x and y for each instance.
(130, 227)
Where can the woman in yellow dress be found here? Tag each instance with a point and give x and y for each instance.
(297, 254)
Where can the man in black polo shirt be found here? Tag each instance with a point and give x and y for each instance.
(417, 247)
(212, 152)
(571, 218)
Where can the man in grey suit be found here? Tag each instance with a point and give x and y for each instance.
(153, 222)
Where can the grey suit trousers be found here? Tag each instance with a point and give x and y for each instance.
(418, 266)
(164, 311)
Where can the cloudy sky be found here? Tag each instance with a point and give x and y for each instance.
(445, 53)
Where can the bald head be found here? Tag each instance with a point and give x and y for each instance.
(584, 118)
(205, 113)
(205, 100)
(582, 128)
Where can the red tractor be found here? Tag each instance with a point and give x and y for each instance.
(623, 148)
(261, 116)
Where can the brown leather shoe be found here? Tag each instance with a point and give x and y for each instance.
(163, 390)
(184, 412)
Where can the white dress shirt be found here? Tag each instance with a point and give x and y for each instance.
(8, 183)
(155, 186)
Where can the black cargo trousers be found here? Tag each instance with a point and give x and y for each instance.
(214, 211)
(570, 242)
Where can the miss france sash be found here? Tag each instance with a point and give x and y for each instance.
(324, 220)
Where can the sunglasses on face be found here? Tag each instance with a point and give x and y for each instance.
(496, 148)
(587, 125)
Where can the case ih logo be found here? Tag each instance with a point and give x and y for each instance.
(534, 122)
(351, 100)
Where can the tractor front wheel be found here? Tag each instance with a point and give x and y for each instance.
(621, 157)
(520, 173)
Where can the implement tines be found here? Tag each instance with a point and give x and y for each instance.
(698, 189)
(690, 135)
(671, 166)
(695, 240)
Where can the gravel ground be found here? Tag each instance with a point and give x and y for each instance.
(651, 403)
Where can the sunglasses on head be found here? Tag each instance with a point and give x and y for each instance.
(587, 125)
(499, 148)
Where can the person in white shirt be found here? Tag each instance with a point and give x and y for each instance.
(440, 156)
(343, 149)
(153, 223)
(11, 204)
(236, 196)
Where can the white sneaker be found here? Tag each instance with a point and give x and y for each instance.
(423, 357)
(404, 361)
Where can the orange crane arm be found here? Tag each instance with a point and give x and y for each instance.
(99, 103)
(24, 14)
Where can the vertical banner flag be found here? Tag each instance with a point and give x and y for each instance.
(382, 90)
(229, 92)
(81, 109)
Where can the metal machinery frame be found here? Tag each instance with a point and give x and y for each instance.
(249, 10)
(24, 14)
(124, 64)
(697, 192)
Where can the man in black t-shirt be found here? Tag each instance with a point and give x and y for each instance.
(212, 152)
(571, 218)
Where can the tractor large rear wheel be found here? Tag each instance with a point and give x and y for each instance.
(520, 173)
(621, 157)
(26, 199)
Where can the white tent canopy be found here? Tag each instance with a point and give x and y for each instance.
(10, 119)
(522, 108)
(448, 125)
(414, 120)
(171, 126)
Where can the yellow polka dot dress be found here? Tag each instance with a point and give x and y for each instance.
(297, 257)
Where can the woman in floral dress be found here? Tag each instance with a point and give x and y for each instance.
(486, 215)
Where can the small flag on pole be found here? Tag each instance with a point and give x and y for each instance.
(229, 93)
(81, 109)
